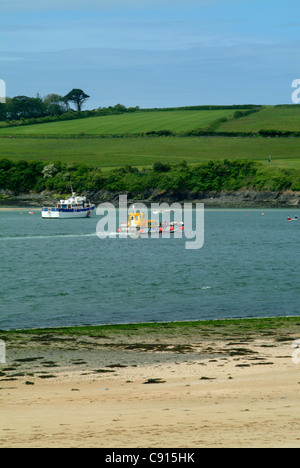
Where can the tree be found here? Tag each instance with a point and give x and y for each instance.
(161, 167)
(77, 97)
(3, 111)
(24, 107)
(49, 171)
(54, 104)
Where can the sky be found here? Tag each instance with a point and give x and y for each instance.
(152, 53)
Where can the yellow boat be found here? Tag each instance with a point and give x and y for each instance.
(138, 222)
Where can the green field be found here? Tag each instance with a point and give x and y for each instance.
(281, 118)
(270, 118)
(137, 122)
(80, 140)
(142, 152)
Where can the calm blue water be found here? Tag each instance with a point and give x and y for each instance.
(59, 273)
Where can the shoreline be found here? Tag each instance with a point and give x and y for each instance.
(257, 322)
(211, 199)
(207, 208)
(223, 383)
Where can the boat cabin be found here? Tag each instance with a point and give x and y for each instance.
(72, 203)
(70, 206)
(138, 219)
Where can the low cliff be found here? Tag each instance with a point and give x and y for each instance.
(213, 199)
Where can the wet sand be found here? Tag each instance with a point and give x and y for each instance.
(155, 388)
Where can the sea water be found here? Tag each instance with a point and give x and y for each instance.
(59, 273)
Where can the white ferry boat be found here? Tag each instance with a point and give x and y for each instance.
(73, 207)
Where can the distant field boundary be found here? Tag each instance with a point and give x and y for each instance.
(157, 133)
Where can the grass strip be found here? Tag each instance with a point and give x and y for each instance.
(269, 326)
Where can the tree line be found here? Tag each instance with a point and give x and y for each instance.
(38, 176)
(24, 110)
(24, 107)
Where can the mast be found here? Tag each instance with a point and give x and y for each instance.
(73, 193)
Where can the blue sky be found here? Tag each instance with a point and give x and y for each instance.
(152, 53)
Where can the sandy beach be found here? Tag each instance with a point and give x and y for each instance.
(118, 390)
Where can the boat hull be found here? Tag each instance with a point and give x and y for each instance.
(145, 230)
(58, 213)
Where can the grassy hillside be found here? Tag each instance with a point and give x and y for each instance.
(283, 118)
(142, 152)
(80, 141)
(280, 118)
(139, 122)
